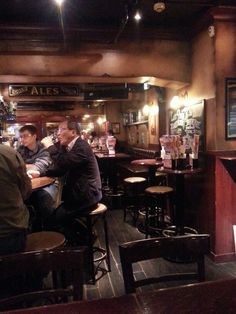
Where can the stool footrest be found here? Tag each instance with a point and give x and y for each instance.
(101, 251)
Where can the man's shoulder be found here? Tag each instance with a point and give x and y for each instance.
(41, 149)
(10, 154)
(82, 145)
(7, 150)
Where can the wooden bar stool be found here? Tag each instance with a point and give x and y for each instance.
(157, 204)
(134, 195)
(96, 255)
(161, 178)
(44, 241)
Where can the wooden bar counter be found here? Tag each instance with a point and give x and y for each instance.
(217, 211)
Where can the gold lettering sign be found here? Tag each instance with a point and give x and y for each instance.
(17, 90)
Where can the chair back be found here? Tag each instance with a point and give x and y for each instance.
(194, 246)
(33, 266)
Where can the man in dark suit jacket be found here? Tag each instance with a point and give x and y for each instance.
(74, 158)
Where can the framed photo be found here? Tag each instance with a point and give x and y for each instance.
(190, 120)
(230, 108)
(115, 128)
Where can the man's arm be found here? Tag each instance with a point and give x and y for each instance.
(24, 181)
(42, 161)
(77, 157)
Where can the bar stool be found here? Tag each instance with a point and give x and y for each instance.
(157, 203)
(44, 240)
(134, 194)
(161, 178)
(96, 255)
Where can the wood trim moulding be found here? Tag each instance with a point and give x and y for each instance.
(222, 258)
(106, 78)
(218, 153)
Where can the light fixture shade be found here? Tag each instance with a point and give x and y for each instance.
(159, 6)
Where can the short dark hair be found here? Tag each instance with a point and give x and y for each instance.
(29, 127)
(110, 131)
(93, 133)
(73, 125)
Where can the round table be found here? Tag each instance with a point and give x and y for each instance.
(152, 165)
(38, 183)
(180, 229)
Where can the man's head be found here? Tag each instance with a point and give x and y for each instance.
(28, 136)
(110, 132)
(67, 131)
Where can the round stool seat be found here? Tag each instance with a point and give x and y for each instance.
(44, 240)
(101, 208)
(159, 174)
(135, 180)
(158, 190)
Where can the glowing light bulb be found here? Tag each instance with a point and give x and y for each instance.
(137, 16)
(100, 121)
(175, 102)
(146, 110)
(59, 2)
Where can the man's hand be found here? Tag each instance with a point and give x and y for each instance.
(47, 141)
(33, 173)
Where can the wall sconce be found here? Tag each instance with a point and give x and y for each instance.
(154, 110)
(179, 101)
(146, 110)
(175, 102)
(184, 99)
(101, 120)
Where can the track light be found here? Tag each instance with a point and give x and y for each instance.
(137, 16)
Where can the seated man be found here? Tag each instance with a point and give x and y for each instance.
(38, 159)
(75, 159)
(15, 187)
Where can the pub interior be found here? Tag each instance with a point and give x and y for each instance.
(164, 86)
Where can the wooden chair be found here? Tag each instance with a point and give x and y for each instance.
(22, 267)
(194, 246)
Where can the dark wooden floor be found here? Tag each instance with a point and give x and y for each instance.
(111, 284)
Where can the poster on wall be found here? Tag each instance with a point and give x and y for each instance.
(187, 121)
(230, 117)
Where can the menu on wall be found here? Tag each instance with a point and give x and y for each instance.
(230, 124)
(187, 121)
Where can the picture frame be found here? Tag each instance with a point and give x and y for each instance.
(230, 108)
(189, 120)
(115, 126)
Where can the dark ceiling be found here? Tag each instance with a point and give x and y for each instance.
(100, 21)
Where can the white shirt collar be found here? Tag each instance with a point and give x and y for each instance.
(72, 143)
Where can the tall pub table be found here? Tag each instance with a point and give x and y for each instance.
(179, 176)
(108, 163)
(152, 164)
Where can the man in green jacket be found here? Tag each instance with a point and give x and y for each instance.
(15, 187)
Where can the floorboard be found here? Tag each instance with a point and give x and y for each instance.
(111, 284)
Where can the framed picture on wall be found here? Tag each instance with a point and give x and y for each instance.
(115, 127)
(189, 120)
(230, 108)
